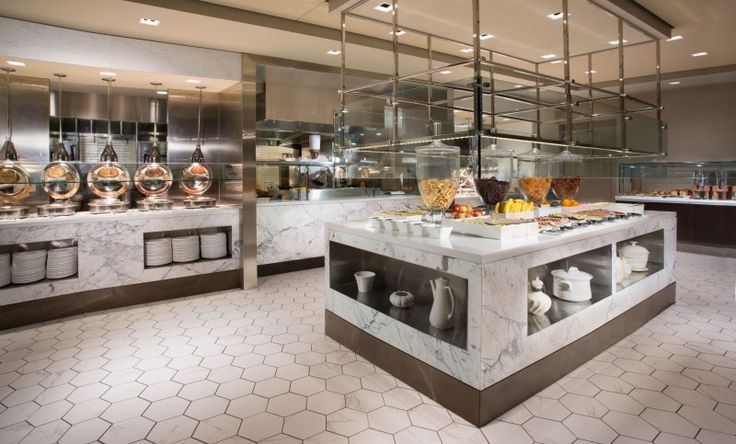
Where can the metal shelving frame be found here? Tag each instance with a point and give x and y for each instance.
(483, 60)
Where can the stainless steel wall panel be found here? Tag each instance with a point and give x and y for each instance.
(248, 227)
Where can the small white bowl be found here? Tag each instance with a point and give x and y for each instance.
(416, 229)
(436, 231)
(403, 227)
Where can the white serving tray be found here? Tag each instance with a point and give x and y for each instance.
(507, 229)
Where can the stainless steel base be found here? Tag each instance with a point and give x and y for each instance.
(102, 206)
(10, 212)
(200, 202)
(154, 204)
(56, 209)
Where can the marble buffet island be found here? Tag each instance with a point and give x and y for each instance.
(495, 354)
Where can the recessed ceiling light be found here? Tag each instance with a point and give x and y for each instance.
(333, 52)
(446, 71)
(486, 36)
(674, 37)
(518, 86)
(16, 63)
(192, 81)
(466, 50)
(555, 15)
(554, 62)
(615, 42)
(548, 56)
(162, 93)
(700, 54)
(455, 110)
(384, 7)
(149, 21)
(400, 32)
(108, 74)
(378, 134)
(592, 71)
(674, 83)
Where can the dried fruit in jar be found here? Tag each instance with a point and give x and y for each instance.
(566, 187)
(492, 190)
(438, 194)
(535, 188)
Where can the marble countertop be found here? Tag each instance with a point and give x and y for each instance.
(481, 251)
(676, 200)
(86, 216)
(275, 203)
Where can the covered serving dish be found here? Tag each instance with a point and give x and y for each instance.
(572, 285)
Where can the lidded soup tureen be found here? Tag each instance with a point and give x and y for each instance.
(60, 179)
(153, 179)
(15, 182)
(197, 177)
(108, 179)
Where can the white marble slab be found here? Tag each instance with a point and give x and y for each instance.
(497, 298)
(295, 229)
(110, 248)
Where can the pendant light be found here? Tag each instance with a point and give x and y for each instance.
(108, 179)
(153, 179)
(15, 182)
(197, 177)
(60, 179)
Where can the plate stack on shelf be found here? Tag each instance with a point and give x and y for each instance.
(4, 269)
(158, 252)
(185, 248)
(28, 266)
(214, 245)
(62, 262)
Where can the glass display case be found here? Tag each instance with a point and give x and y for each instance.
(694, 180)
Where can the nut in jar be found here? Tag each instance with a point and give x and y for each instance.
(438, 194)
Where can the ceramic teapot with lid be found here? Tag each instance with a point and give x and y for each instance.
(637, 255)
(538, 302)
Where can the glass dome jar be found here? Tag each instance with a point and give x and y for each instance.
(438, 176)
(534, 174)
(496, 171)
(568, 168)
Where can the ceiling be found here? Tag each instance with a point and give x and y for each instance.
(706, 25)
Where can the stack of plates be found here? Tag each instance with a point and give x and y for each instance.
(4, 269)
(214, 245)
(28, 266)
(158, 252)
(62, 262)
(185, 248)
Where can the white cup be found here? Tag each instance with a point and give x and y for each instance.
(365, 280)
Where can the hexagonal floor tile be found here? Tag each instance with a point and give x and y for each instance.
(258, 428)
(304, 424)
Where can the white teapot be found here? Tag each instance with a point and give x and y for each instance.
(538, 302)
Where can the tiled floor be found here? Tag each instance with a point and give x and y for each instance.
(239, 366)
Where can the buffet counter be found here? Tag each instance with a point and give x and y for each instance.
(494, 354)
(704, 221)
(111, 253)
(293, 230)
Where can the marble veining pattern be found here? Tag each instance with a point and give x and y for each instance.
(110, 248)
(288, 232)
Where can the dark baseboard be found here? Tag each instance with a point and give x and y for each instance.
(42, 310)
(289, 266)
(482, 406)
(707, 249)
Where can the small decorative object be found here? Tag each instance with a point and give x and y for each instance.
(572, 285)
(197, 177)
(538, 302)
(401, 299)
(443, 306)
(365, 281)
(623, 269)
(637, 255)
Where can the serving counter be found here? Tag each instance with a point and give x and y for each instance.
(706, 221)
(495, 354)
(111, 266)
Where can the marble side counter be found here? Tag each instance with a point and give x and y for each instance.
(493, 338)
(294, 230)
(111, 248)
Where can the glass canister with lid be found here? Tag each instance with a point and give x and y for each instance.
(496, 171)
(534, 174)
(568, 168)
(438, 176)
